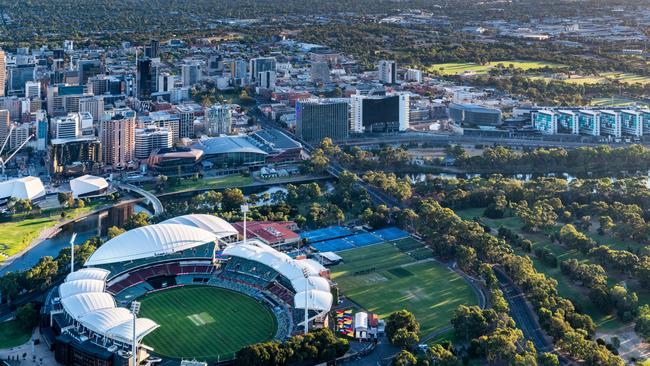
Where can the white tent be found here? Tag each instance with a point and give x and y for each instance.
(211, 223)
(29, 188)
(88, 185)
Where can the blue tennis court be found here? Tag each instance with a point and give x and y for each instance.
(333, 245)
(327, 233)
(391, 233)
(361, 240)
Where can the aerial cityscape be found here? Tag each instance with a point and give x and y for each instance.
(304, 182)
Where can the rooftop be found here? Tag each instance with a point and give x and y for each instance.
(228, 144)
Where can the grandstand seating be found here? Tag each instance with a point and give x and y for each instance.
(162, 269)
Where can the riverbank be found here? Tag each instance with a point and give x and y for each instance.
(27, 234)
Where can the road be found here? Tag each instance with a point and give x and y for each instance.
(149, 197)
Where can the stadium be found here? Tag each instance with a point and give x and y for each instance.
(202, 293)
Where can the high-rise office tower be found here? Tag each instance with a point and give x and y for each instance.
(261, 64)
(42, 130)
(63, 99)
(92, 104)
(266, 79)
(88, 69)
(66, 127)
(153, 49)
(186, 114)
(146, 76)
(380, 113)
(5, 125)
(3, 73)
(191, 73)
(117, 136)
(387, 72)
(320, 118)
(218, 120)
(33, 89)
(19, 75)
(151, 138)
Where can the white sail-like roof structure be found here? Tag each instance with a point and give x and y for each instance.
(216, 225)
(88, 274)
(84, 300)
(22, 188)
(303, 275)
(87, 184)
(150, 241)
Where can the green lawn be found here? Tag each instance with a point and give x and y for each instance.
(376, 256)
(228, 181)
(427, 289)
(17, 234)
(205, 323)
(456, 68)
(13, 334)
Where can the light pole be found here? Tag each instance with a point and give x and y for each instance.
(135, 309)
(244, 210)
(305, 273)
(72, 239)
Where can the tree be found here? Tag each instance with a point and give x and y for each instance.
(27, 315)
(402, 319)
(441, 356)
(469, 322)
(114, 231)
(548, 359)
(65, 199)
(137, 220)
(404, 358)
(405, 339)
(232, 199)
(642, 326)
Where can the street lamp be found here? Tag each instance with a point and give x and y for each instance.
(135, 309)
(244, 210)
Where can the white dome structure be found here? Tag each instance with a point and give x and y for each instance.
(150, 241)
(216, 225)
(88, 185)
(29, 188)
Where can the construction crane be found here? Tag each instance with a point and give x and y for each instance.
(3, 161)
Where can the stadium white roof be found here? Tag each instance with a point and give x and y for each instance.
(22, 188)
(317, 288)
(150, 241)
(316, 300)
(83, 298)
(88, 274)
(216, 225)
(87, 184)
(71, 288)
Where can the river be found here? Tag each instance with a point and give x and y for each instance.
(86, 228)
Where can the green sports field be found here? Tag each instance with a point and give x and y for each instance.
(205, 323)
(383, 279)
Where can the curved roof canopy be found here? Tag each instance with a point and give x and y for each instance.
(150, 241)
(88, 274)
(71, 288)
(84, 300)
(216, 225)
(303, 275)
(87, 184)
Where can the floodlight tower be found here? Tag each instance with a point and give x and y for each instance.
(244, 210)
(135, 309)
(305, 273)
(72, 239)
